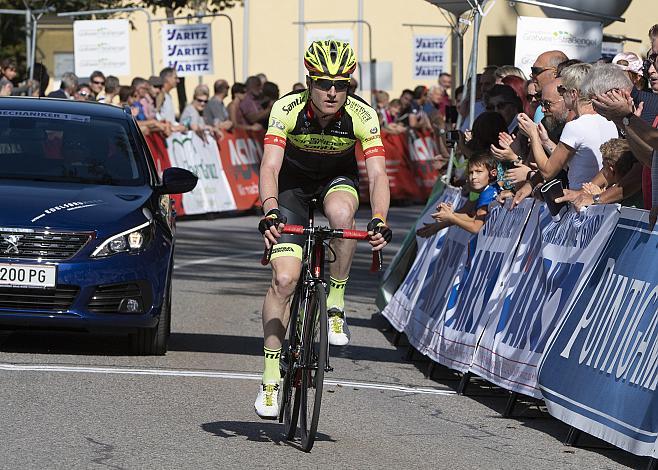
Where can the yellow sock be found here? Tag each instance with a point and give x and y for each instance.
(336, 297)
(272, 373)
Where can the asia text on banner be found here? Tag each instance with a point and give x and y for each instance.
(553, 261)
(399, 308)
(466, 311)
(599, 371)
(241, 152)
(187, 48)
(201, 157)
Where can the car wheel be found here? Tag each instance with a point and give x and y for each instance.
(153, 341)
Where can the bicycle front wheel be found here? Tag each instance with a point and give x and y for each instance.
(315, 361)
(289, 400)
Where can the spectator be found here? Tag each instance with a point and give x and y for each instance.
(262, 77)
(238, 93)
(517, 84)
(579, 147)
(632, 65)
(532, 97)
(125, 93)
(96, 84)
(41, 75)
(8, 71)
(298, 87)
(434, 101)
(620, 179)
(250, 105)
(215, 113)
(167, 112)
(390, 118)
(192, 116)
(382, 99)
(445, 81)
(155, 93)
(111, 89)
(567, 63)
(482, 175)
(508, 70)
(67, 87)
(544, 70)
(485, 82)
(270, 95)
(653, 37)
(504, 100)
(410, 115)
(83, 93)
(136, 93)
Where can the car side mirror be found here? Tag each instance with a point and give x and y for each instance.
(177, 181)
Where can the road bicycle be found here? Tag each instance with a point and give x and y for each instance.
(305, 357)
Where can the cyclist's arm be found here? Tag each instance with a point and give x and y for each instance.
(269, 176)
(380, 195)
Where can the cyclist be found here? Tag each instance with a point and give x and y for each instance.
(310, 153)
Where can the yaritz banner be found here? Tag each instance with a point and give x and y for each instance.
(577, 39)
(428, 56)
(188, 48)
(553, 261)
(600, 371)
(467, 310)
(101, 45)
(401, 304)
(201, 157)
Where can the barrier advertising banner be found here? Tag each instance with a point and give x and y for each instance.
(241, 152)
(428, 56)
(553, 261)
(576, 38)
(213, 191)
(188, 48)
(466, 311)
(101, 45)
(399, 307)
(422, 149)
(599, 373)
(426, 319)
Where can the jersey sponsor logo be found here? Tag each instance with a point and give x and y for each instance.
(274, 122)
(371, 138)
(373, 130)
(289, 107)
(282, 249)
(360, 111)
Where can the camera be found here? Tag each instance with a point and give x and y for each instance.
(452, 137)
(451, 114)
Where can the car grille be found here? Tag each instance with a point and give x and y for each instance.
(106, 299)
(45, 244)
(57, 299)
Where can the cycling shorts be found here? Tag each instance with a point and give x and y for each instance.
(295, 200)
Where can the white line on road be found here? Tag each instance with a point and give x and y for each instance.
(210, 374)
(248, 254)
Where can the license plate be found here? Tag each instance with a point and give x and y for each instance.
(27, 275)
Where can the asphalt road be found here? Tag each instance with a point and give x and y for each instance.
(78, 401)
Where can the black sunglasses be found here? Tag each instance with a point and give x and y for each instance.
(536, 71)
(201, 101)
(97, 83)
(325, 84)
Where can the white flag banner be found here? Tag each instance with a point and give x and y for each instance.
(101, 45)
(577, 39)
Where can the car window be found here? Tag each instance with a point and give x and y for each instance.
(68, 148)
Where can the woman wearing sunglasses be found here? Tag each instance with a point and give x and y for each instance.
(192, 116)
(310, 153)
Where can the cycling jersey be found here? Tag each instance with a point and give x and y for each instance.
(317, 153)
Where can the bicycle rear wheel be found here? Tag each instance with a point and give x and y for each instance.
(315, 361)
(289, 403)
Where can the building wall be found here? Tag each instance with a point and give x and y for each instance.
(273, 46)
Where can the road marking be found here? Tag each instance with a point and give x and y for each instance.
(210, 374)
(248, 254)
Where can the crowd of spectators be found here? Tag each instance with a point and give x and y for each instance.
(590, 126)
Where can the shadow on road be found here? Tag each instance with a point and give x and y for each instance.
(255, 431)
(64, 342)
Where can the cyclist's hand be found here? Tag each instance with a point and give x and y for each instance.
(271, 225)
(380, 233)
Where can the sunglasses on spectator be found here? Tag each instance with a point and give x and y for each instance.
(325, 84)
(531, 97)
(546, 104)
(97, 83)
(536, 71)
(201, 101)
(498, 106)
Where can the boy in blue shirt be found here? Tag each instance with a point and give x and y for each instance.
(471, 216)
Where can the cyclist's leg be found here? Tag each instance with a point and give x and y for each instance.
(286, 266)
(340, 202)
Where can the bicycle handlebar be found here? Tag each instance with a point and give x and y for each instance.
(328, 233)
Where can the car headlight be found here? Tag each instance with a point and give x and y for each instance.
(130, 241)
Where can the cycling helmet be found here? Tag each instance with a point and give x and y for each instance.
(330, 58)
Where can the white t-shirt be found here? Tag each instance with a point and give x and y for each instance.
(585, 135)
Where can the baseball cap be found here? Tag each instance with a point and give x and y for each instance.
(628, 61)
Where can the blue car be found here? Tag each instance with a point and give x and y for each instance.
(86, 224)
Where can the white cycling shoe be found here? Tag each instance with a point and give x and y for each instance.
(267, 401)
(339, 333)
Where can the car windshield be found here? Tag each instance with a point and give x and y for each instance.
(68, 148)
